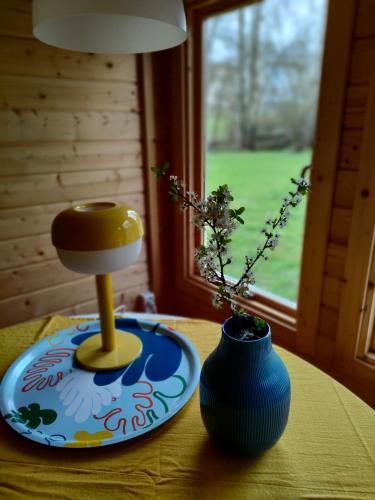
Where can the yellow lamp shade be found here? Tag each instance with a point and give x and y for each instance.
(97, 238)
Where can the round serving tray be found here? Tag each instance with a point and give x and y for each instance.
(47, 397)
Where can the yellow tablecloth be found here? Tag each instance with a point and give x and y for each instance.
(327, 451)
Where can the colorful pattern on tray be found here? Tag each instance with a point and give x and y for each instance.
(48, 398)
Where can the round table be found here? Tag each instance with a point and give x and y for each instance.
(327, 450)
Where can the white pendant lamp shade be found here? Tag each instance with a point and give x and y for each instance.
(110, 26)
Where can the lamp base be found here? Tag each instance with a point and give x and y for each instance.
(92, 356)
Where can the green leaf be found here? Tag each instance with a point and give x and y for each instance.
(173, 192)
(240, 220)
(160, 171)
(48, 416)
(33, 422)
(259, 322)
(240, 210)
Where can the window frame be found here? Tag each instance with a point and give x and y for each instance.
(354, 354)
(296, 329)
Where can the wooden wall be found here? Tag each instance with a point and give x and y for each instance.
(361, 67)
(69, 131)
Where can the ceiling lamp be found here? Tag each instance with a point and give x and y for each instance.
(110, 26)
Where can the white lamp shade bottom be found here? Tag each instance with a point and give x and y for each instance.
(100, 261)
(110, 26)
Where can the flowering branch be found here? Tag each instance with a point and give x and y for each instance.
(216, 214)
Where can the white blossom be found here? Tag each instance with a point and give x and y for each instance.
(283, 222)
(297, 198)
(302, 183)
(215, 214)
(217, 300)
(273, 242)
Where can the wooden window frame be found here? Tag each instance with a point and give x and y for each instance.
(354, 356)
(187, 163)
(365, 348)
(191, 162)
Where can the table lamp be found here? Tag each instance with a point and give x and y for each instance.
(92, 384)
(100, 238)
(45, 396)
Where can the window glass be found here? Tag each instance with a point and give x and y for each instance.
(261, 70)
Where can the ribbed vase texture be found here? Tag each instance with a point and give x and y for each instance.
(244, 393)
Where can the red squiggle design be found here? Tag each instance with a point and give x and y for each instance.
(34, 377)
(109, 415)
(140, 407)
(135, 419)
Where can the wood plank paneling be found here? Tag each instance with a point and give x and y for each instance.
(365, 22)
(24, 251)
(335, 260)
(20, 252)
(356, 96)
(355, 105)
(51, 94)
(354, 119)
(69, 133)
(328, 320)
(40, 189)
(362, 55)
(346, 181)
(55, 157)
(325, 350)
(126, 298)
(32, 58)
(340, 225)
(44, 126)
(27, 279)
(41, 302)
(28, 221)
(345, 202)
(332, 290)
(350, 147)
(15, 18)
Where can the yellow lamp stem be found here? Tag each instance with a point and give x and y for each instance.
(105, 303)
(110, 349)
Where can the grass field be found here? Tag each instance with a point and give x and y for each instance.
(259, 181)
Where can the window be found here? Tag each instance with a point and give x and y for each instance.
(189, 144)
(261, 73)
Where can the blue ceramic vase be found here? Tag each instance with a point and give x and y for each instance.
(244, 392)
